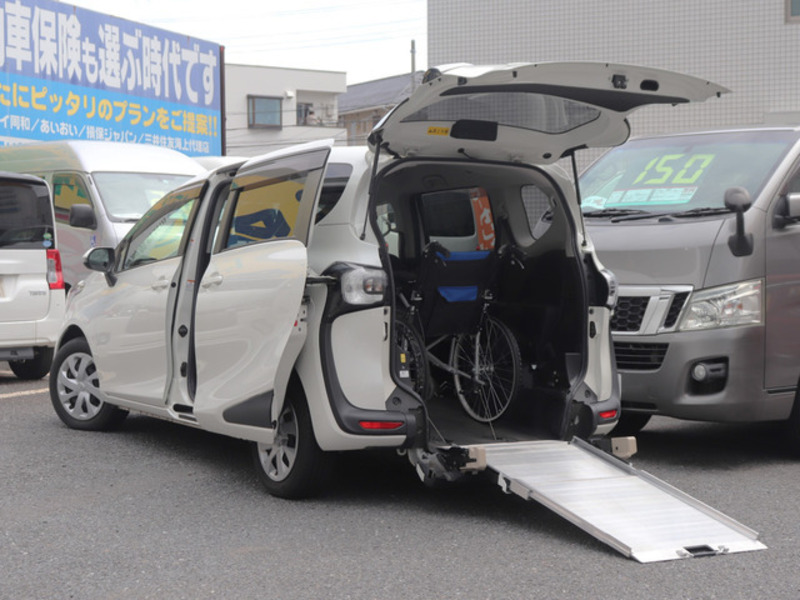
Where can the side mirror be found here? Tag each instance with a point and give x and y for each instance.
(787, 211)
(82, 215)
(102, 260)
(738, 200)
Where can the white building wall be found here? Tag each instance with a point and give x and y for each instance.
(320, 88)
(744, 45)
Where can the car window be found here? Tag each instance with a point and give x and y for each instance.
(538, 208)
(69, 189)
(336, 177)
(460, 220)
(274, 201)
(160, 233)
(127, 196)
(26, 220)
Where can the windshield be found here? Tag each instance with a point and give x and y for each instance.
(681, 173)
(127, 196)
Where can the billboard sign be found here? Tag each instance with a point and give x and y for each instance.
(71, 73)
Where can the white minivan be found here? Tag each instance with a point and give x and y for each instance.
(100, 189)
(31, 283)
(435, 293)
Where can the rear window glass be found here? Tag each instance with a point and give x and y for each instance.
(536, 112)
(26, 217)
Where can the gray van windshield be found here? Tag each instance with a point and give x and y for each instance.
(127, 196)
(681, 173)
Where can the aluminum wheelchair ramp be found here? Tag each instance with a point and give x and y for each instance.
(633, 512)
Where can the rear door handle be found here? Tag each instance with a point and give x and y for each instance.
(214, 279)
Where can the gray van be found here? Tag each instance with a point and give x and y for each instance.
(702, 231)
(31, 282)
(100, 189)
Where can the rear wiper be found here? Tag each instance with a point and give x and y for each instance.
(614, 212)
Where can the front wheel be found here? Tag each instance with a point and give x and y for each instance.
(292, 466)
(34, 368)
(489, 369)
(75, 390)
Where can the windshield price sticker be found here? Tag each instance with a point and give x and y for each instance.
(682, 195)
(675, 169)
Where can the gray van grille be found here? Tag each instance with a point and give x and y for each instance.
(629, 313)
(639, 357)
(675, 308)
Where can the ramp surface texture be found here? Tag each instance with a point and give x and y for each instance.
(635, 513)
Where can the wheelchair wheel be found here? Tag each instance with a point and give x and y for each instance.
(411, 359)
(489, 369)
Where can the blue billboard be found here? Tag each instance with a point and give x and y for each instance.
(71, 73)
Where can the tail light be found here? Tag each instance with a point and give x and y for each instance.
(55, 276)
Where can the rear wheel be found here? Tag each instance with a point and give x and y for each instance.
(34, 368)
(292, 466)
(75, 390)
(491, 364)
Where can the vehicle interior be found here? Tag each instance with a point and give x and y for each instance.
(429, 212)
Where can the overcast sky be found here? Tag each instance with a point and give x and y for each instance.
(366, 39)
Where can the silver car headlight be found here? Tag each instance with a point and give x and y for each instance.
(724, 306)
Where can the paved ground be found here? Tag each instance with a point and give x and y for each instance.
(162, 511)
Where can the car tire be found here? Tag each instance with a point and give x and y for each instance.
(630, 423)
(75, 390)
(293, 466)
(34, 368)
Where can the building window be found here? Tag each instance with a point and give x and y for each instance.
(263, 111)
(792, 11)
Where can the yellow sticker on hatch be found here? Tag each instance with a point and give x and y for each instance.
(438, 131)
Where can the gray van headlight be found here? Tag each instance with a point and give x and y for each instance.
(724, 306)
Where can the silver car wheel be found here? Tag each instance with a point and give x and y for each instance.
(78, 387)
(278, 459)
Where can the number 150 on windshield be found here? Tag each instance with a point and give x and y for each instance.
(674, 169)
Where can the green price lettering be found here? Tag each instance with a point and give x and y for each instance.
(660, 170)
(703, 159)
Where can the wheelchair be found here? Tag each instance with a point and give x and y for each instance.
(450, 302)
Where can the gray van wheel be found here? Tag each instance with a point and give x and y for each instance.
(292, 466)
(75, 390)
(34, 368)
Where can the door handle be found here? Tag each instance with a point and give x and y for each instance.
(214, 279)
(160, 284)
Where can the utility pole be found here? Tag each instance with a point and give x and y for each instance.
(413, 66)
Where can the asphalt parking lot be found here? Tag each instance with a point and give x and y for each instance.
(157, 510)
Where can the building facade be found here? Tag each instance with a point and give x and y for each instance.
(268, 108)
(751, 47)
(366, 103)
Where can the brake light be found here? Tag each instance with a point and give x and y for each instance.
(608, 414)
(381, 425)
(55, 276)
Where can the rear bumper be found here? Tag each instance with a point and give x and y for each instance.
(28, 334)
(670, 389)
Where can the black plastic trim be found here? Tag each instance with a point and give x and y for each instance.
(348, 416)
(255, 411)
